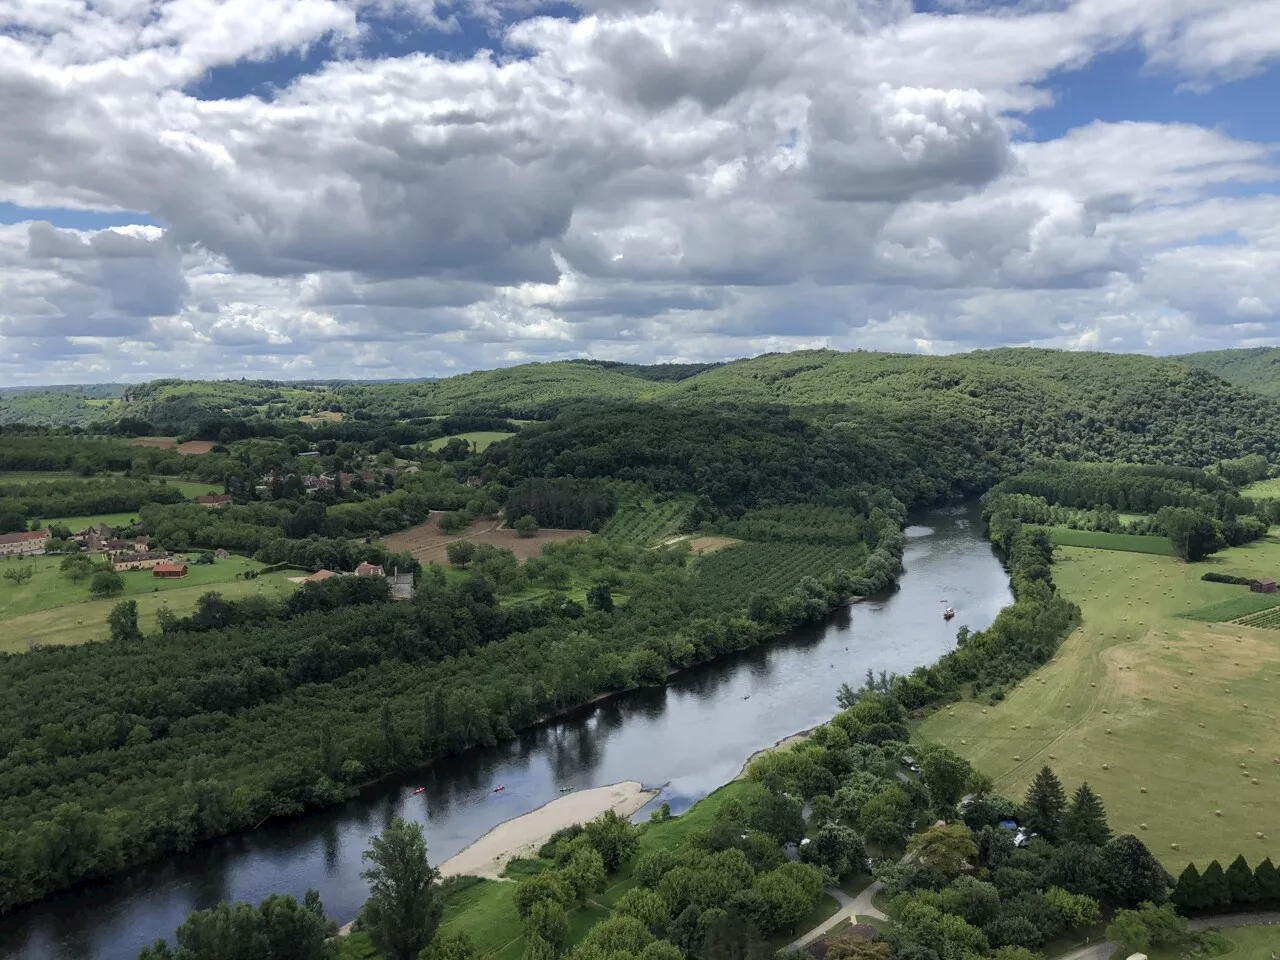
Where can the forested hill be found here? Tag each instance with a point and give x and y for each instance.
(1006, 405)
(1012, 403)
(1254, 368)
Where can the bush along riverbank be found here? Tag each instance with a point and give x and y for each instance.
(120, 752)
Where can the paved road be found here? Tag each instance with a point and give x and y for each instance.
(1104, 949)
(850, 908)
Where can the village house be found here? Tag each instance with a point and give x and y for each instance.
(139, 561)
(474, 481)
(318, 576)
(1263, 586)
(23, 544)
(220, 554)
(169, 571)
(369, 570)
(214, 500)
(141, 544)
(118, 546)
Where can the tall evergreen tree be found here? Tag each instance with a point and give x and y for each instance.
(1042, 810)
(1244, 891)
(1267, 878)
(1215, 892)
(1188, 895)
(1086, 820)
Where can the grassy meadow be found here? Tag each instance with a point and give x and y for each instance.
(1097, 540)
(480, 439)
(50, 609)
(1175, 722)
(1263, 489)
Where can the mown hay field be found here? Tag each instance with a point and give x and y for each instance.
(1176, 723)
(79, 620)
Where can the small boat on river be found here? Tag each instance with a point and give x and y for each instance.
(420, 790)
(499, 789)
(948, 613)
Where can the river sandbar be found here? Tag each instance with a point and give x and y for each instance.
(523, 835)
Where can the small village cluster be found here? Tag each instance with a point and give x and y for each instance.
(125, 554)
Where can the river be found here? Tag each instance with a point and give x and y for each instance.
(688, 737)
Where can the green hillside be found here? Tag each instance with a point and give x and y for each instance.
(1020, 403)
(1254, 368)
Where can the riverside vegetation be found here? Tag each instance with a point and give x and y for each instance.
(148, 741)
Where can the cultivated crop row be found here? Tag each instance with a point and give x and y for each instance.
(1266, 620)
(645, 522)
(730, 577)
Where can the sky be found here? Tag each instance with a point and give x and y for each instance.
(400, 188)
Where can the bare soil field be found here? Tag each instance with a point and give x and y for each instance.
(169, 443)
(164, 443)
(701, 545)
(428, 543)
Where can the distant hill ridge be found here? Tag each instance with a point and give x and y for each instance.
(1254, 368)
(1065, 404)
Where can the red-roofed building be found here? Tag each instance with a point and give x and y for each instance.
(215, 500)
(318, 576)
(369, 570)
(14, 544)
(169, 571)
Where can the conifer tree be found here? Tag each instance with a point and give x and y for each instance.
(1214, 892)
(1267, 879)
(1188, 895)
(1086, 820)
(1240, 883)
(1042, 810)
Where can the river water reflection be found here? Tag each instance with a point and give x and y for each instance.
(690, 736)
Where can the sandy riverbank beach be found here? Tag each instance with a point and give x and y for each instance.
(522, 837)
(782, 744)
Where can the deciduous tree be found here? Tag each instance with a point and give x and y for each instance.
(403, 909)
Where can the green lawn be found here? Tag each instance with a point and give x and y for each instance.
(50, 609)
(76, 524)
(1065, 537)
(1248, 943)
(1184, 715)
(1262, 490)
(49, 588)
(480, 439)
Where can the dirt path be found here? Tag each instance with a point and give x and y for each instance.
(850, 909)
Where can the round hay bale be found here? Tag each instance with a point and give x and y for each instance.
(1217, 813)
(1026, 726)
(1143, 826)
(1199, 724)
(1106, 766)
(1108, 730)
(1016, 757)
(1142, 789)
(1173, 846)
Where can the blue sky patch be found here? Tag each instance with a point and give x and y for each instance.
(384, 37)
(1117, 86)
(69, 219)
